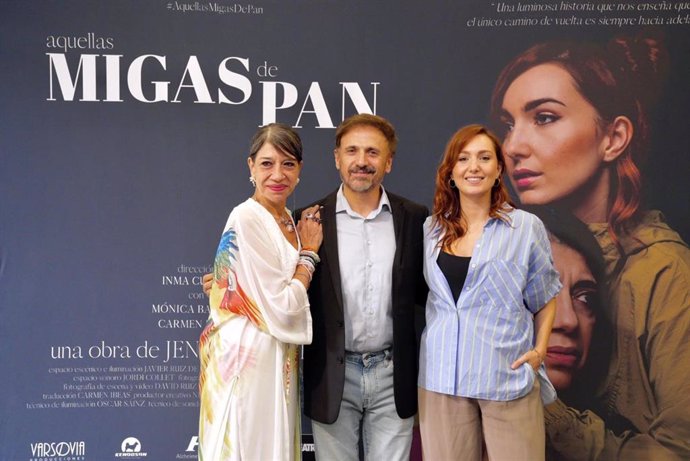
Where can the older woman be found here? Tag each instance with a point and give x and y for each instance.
(259, 312)
(576, 118)
(489, 312)
(580, 342)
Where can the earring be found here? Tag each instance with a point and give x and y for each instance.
(497, 182)
(451, 183)
(252, 180)
(297, 182)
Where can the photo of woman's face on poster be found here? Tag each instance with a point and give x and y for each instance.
(579, 346)
(571, 335)
(575, 120)
(119, 143)
(555, 150)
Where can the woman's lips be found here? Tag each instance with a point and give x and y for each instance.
(523, 178)
(558, 356)
(278, 188)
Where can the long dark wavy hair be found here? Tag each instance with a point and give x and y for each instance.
(565, 229)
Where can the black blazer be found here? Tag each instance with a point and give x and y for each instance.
(324, 366)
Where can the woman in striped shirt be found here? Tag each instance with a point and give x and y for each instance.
(489, 312)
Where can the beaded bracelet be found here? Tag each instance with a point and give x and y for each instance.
(309, 264)
(308, 259)
(310, 254)
(309, 270)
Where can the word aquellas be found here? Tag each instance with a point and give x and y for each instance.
(232, 86)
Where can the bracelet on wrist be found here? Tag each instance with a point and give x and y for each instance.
(309, 265)
(308, 274)
(304, 253)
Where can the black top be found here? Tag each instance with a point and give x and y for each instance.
(455, 269)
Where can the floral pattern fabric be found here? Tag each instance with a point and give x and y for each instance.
(249, 356)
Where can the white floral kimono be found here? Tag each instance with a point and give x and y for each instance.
(249, 359)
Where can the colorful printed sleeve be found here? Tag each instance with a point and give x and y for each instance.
(282, 305)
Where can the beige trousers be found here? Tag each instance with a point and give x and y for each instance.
(455, 428)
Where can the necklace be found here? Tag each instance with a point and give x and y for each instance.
(286, 222)
(282, 220)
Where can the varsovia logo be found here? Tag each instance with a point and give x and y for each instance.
(131, 449)
(58, 450)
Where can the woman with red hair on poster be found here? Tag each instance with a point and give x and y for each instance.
(577, 129)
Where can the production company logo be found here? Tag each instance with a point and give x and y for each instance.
(131, 449)
(190, 451)
(58, 451)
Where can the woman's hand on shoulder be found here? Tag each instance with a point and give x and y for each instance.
(309, 228)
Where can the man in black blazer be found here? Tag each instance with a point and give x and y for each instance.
(360, 372)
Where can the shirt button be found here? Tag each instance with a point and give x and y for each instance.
(474, 265)
(467, 287)
(477, 245)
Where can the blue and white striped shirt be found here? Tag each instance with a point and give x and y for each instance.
(467, 347)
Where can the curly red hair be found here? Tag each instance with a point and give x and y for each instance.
(447, 210)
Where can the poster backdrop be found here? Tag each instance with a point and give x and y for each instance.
(124, 129)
